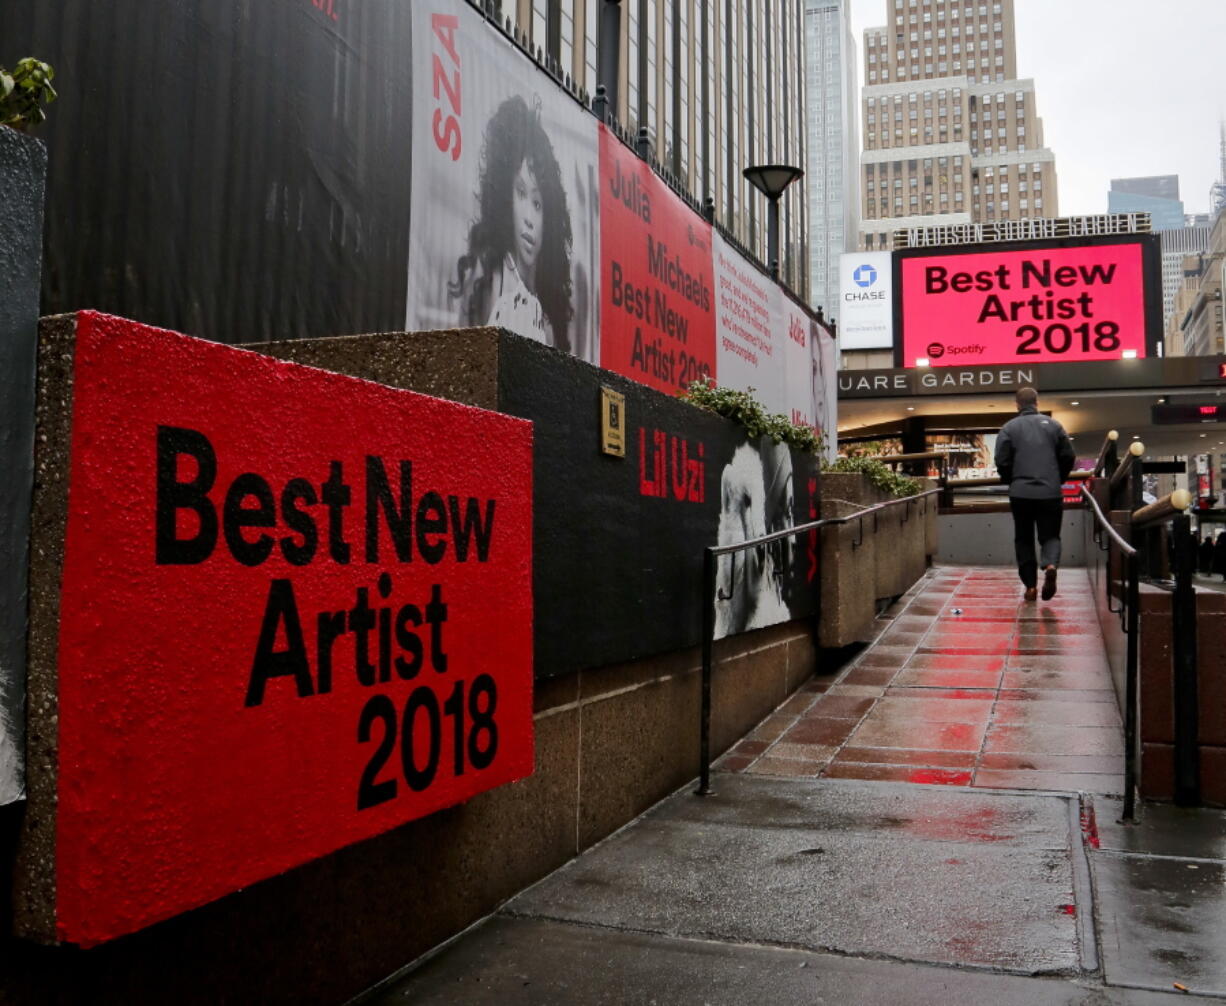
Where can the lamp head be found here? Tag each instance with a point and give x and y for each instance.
(772, 179)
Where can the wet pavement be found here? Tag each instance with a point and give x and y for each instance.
(967, 685)
(833, 867)
(524, 962)
(1161, 889)
(791, 891)
(930, 828)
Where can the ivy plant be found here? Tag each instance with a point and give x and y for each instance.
(23, 92)
(741, 407)
(879, 474)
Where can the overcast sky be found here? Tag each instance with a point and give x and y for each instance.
(1124, 88)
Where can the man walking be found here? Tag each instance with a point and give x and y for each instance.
(1034, 456)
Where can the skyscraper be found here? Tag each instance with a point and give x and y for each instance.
(716, 83)
(1157, 195)
(833, 177)
(950, 134)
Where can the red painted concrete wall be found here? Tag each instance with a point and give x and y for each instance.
(254, 670)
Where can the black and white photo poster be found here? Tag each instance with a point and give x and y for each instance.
(505, 223)
(763, 487)
(825, 390)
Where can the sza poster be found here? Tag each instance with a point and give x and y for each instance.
(505, 220)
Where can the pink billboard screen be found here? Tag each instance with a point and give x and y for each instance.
(1040, 305)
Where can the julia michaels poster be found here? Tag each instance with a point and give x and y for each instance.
(505, 220)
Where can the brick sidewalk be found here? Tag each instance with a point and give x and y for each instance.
(967, 686)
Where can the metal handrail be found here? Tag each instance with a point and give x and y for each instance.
(893, 459)
(1130, 617)
(1124, 472)
(1106, 454)
(709, 555)
(1102, 520)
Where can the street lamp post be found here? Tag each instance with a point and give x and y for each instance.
(771, 180)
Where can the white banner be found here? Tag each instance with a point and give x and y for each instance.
(505, 223)
(750, 350)
(797, 361)
(866, 301)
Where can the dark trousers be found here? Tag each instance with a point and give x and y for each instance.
(1029, 516)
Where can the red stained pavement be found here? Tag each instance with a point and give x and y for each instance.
(967, 685)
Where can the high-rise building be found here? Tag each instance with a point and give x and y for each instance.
(1178, 244)
(951, 135)
(1157, 195)
(1196, 326)
(833, 178)
(716, 83)
(1217, 191)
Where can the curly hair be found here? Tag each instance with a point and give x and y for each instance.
(513, 136)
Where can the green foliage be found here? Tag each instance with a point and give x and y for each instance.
(878, 474)
(23, 93)
(741, 407)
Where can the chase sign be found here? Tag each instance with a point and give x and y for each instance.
(864, 276)
(866, 303)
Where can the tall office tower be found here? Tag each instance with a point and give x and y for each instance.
(833, 178)
(951, 136)
(1217, 191)
(716, 83)
(1157, 195)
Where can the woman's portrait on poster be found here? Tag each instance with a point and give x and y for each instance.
(756, 498)
(516, 271)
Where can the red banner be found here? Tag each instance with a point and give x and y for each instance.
(296, 613)
(657, 318)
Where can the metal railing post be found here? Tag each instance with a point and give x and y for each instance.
(1184, 657)
(1105, 463)
(1130, 611)
(708, 642)
(1133, 604)
(609, 54)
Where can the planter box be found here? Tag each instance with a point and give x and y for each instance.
(897, 544)
(23, 173)
(848, 578)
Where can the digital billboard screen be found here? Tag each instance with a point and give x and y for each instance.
(1038, 302)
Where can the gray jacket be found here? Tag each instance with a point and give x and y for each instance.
(1034, 455)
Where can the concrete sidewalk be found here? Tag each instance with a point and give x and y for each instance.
(808, 888)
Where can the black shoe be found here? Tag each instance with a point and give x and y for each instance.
(1049, 583)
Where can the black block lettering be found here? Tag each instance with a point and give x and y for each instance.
(299, 553)
(173, 496)
(236, 517)
(464, 527)
(399, 519)
(431, 520)
(292, 661)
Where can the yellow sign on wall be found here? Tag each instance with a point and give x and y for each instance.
(612, 422)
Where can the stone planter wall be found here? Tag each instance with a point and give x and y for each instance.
(848, 579)
(897, 545)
